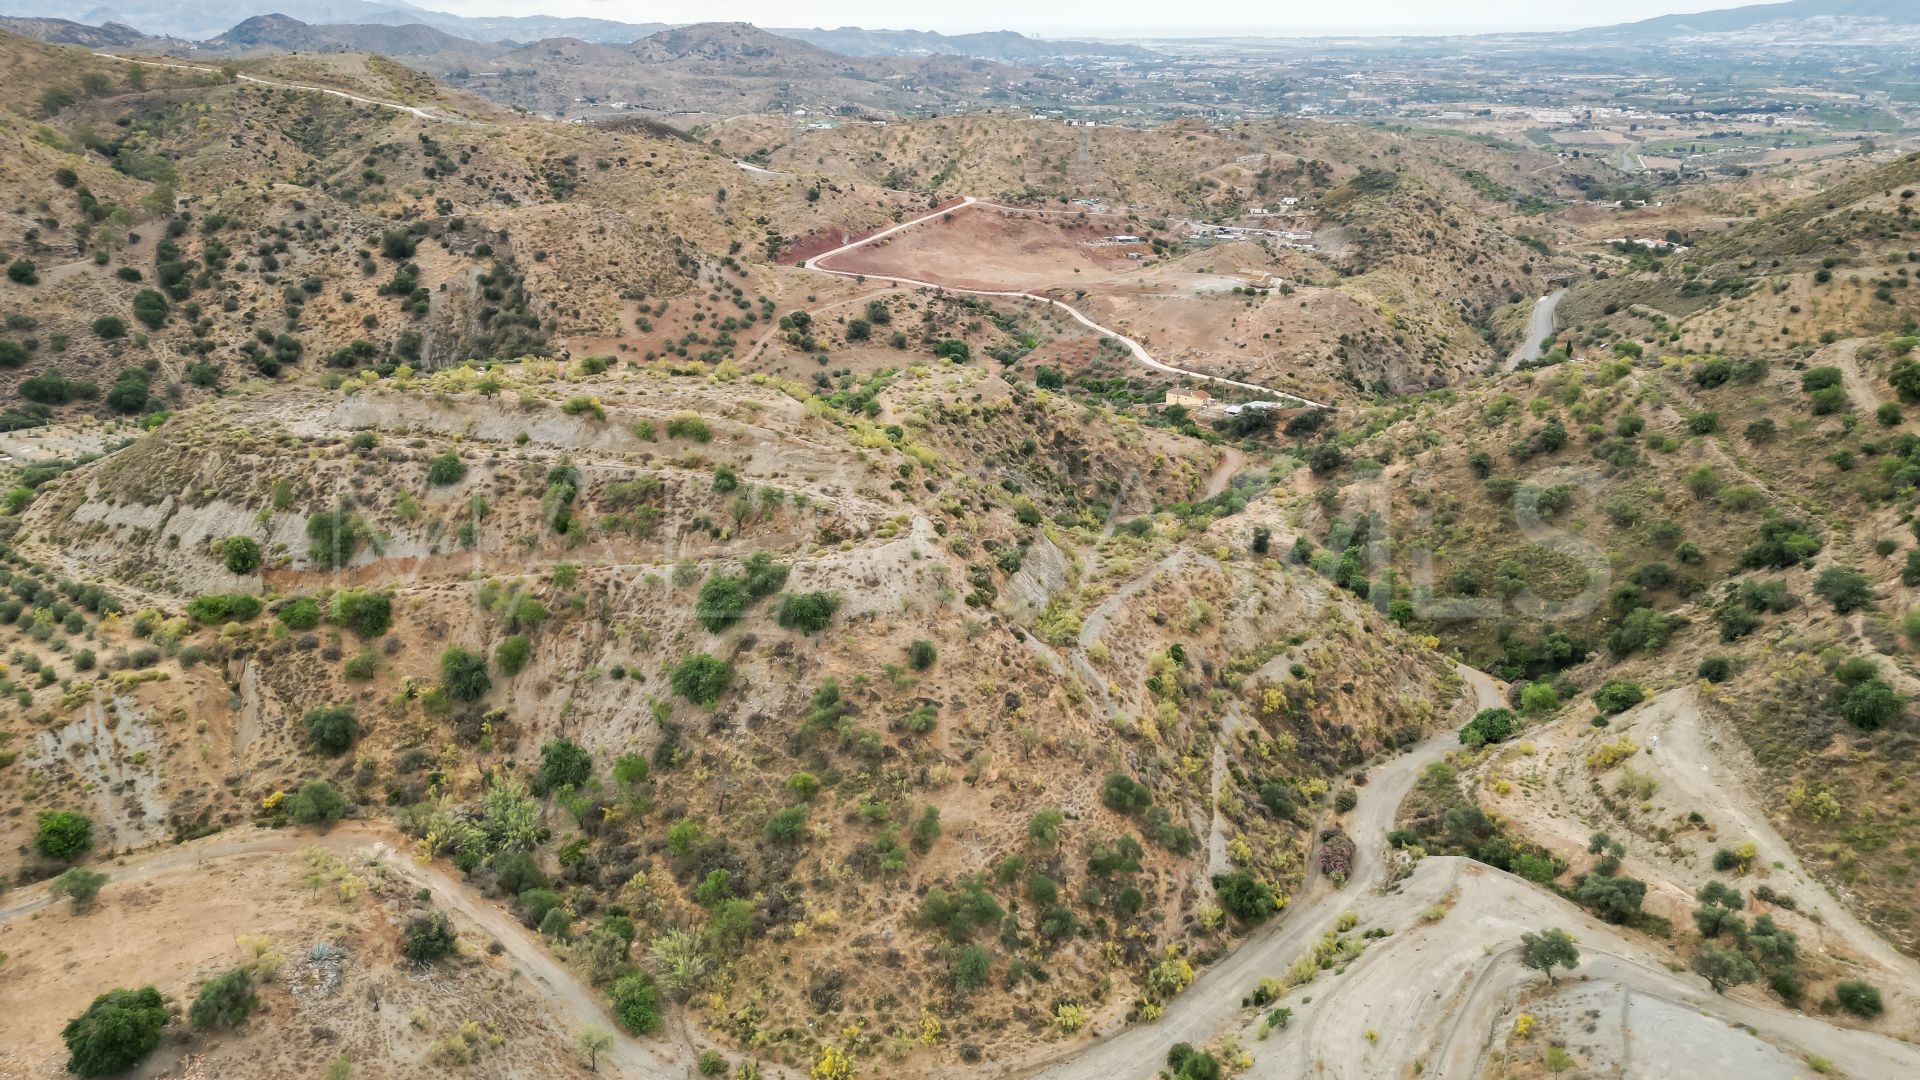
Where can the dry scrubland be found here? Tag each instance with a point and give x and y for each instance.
(477, 518)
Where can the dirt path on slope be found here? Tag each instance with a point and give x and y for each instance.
(1134, 347)
(1861, 393)
(1439, 989)
(576, 1004)
(1701, 763)
(1540, 327)
(1231, 462)
(1214, 998)
(411, 110)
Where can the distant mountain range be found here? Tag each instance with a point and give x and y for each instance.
(280, 33)
(1796, 19)
(1002, 45)
(397, 28)
(237, 20)
(203, 19)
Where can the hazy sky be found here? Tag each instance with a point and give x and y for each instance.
(1116, 17)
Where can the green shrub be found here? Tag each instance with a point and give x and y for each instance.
(1618, 695)
(701, 679)
(366, 612)
(63, 834)
(1615, 899)
(1860, 998)
(446, 469)
(722, 600)
(224, 1001)
(1185, 1062)
(512, 654)
(150, 308)
(764, 577)
(971, 968)
(807, 612)
(223, 607)
(110, 327)
(463, 674)
(1243, 896)
(636, 1004)
(429, 937)
(1124, 794)
(517, 872)
(1715, 669)
(921, 655)
(686, 426)
(331, 731)
(1871, 705)
(788, 826)
(562, 764)
(300, 613)
(1539, 697)
(1490, 726)
(334, 536)
(316, 803)
(241, 554)
(360, 666)
(1845, 588)
(119, 1029)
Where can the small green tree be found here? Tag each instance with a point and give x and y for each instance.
(1618, 695)
(1043, 829)
(592, 1041)
(150, 308)
(1489, 726)
(317, 803)
(80, 885)
(512, 654)
(1718, 904)
(722, 600)
(1871, 705)
(1547, 950)
(972, 966)
(119, 1029)
(1615, 899)
(241, 554)
(1723, 967)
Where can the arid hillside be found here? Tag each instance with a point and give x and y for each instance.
(483, 595)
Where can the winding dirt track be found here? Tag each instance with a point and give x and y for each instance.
(1438, 991)
(1214, 998)
(1139, 351)
(570, 1000)
(1540, 326)
(412, 110)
